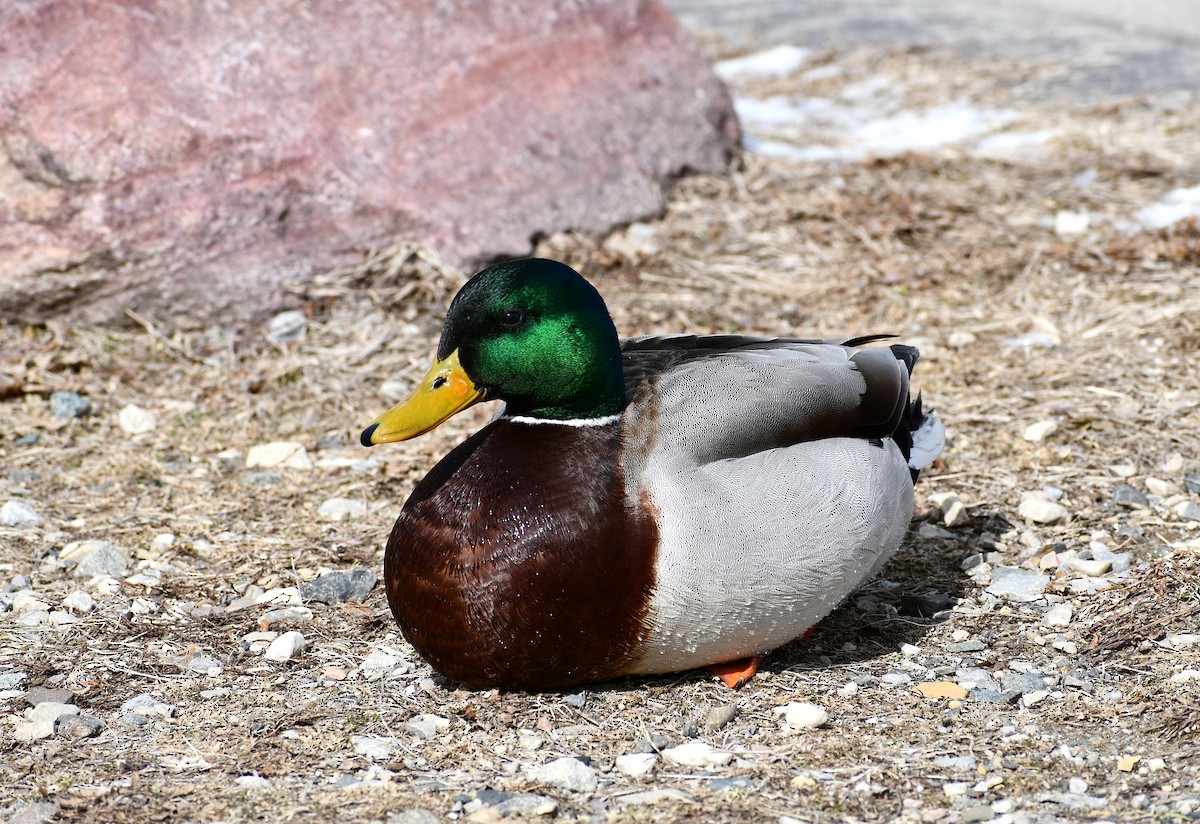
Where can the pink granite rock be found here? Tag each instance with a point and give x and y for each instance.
(191, 159)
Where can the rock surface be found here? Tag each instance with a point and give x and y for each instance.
(233, 151)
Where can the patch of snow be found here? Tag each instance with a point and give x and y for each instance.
(779, 61)
(1175, 206)
(909, 130)
(1004, 144)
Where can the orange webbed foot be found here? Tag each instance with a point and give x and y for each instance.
(735, 674)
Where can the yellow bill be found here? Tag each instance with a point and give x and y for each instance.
(445, 391)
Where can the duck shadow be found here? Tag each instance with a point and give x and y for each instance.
(915, 592)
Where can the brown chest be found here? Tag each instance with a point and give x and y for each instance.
(519, 563)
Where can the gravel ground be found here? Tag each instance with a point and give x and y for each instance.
(191, 630)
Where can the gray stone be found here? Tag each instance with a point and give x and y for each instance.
(956, 762)
(987, 696)
(286, 647)
(341, 509)
(91, 558)
(12, 679)
(974, 678)
(413, 816)
(576, 699)
(69, 405)
(1023, 682)
(426, 726)
(1191, 482)
(655, 743)
(971, 645)
(20, 515)
(147, 705)
(287, 327)
(1126, 495)
(43, 812)
(569, 774)
(1188, 511)
(50, 711)
(203, 664)
(979, 812)
(40, 695)
(1016, 584)
(718, 717)
(78, 727)
(268, 477)
(517, 804)
(737, 783)
(339, 587)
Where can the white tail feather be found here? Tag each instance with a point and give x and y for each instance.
(928, 440)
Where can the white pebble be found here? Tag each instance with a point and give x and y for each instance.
(253, 782)
(956, 515)
(1077, 785)
(635, 764)
(341, 509)
(848, 689)
(164, 540)
(426, 726)
(1058, 615)
(1183, 640)
(79, 601)
(1067, 223)
(287, 327)
(375, 747)
(1092, 568)
(1038, 432)
(285, 454)
(286, 646)
(803, 716)
(697, 754)
(1039, 509)
(20, 515)
(135, 420)
(566, 773)
(1186, 676)
(1159, 487)
(27, 600)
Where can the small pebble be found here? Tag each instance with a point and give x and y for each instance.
(516, 805)
(804, 716)
(1191, 482)
(636, 764)
(42, 695)
(1092, 568)
(1188, 510)
(341, 509)
(735, 783)
(1017, 584)
(718, 717)
(286, 647)
(277, 454)
(79, 727)
(956, 515)
(1126, 495)
(67, 405)
(1038, 432)
(1159, 487)
(375, 747)
(383, 663)
(287, 327)
(92, 558)
(1037, 507)
(135, 420)
(1060, 614)
(1077, 785)
(147, 705)
(896, 678)
(252, 782)
(339, 587)
(20, 515)
(697, 754)
(569, 774)
(285, 615)
(426, 726)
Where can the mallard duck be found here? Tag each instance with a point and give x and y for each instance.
(647, 506)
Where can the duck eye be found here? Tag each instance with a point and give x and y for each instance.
(512, 318)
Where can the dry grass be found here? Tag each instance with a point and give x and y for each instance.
(946, 249)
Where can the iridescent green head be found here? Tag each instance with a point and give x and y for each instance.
(532, 333)
(537, 335)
